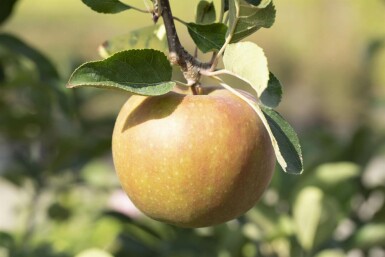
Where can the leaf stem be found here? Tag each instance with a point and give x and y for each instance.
(222, 11)
(196, 89)
(221, 51)
(210, 73)
(180, 20)
(228, 40)
(226, 18)
(139, 10)
(253, 102)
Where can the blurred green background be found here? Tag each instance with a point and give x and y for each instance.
(59, 195)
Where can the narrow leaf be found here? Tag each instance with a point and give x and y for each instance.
(6, 9)
(283, 138)
(271, 96)
(248, 61)
(145, 72)
(207, 37)
(106, 6)
(290, 154)
(153, 37)
(205, 13)
(46, 69)
(245, 19)
(307, 214)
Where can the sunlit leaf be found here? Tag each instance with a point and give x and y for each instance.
(245, 19)
(307, 213)
(145, 72)
(283, 137)
(248, 61)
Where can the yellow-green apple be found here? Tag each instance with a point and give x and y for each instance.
(192, 160)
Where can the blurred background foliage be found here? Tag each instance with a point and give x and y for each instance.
(59, 195)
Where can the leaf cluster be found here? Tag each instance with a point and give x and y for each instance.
(147, 72)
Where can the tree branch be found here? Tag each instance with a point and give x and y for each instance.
(190, 66)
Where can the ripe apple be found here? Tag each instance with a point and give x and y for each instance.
(192, 160)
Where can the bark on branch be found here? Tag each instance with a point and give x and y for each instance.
(190, 66)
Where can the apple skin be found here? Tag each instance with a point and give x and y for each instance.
(192, 160)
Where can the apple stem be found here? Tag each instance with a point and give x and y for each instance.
(196, 89)
(190, 65)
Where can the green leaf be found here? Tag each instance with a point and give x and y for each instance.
(205, 13)
(247, 61)
(144, 72)
(259, 3)
(207, 37)
(151, 37)
(272, 95)
(46, 69)
(331, 253)
(6, 9)
(283, 138)
(6, 240)
(330, 215)
(288, 148)
(245, 19)
(307, 214)
(370, 235)
(106, 6)
(331, 175)
(94, 252)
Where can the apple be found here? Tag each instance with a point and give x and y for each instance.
(192, 160)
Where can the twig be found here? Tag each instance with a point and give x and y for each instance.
(190, 66)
